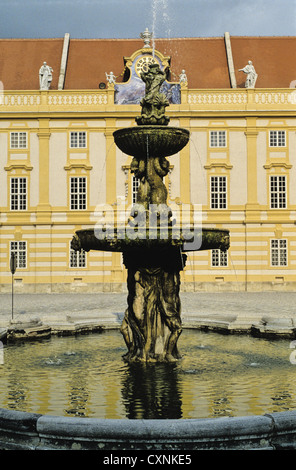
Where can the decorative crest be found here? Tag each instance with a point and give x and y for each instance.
(146, 36)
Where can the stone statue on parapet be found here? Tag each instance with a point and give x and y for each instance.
(183, 78)
(251, 75)
(45, 76)
(111, 78)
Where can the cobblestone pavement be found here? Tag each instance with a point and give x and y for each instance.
(45, 306)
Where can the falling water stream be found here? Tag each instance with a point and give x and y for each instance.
(160, 19)
(219, 375)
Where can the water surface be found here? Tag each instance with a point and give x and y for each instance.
(85, 376)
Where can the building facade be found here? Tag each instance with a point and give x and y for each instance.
(59, 164)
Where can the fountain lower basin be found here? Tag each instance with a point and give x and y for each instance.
(270, 424)
(113, 240)
(217, 376)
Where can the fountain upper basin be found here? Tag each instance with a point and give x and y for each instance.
(156, 141)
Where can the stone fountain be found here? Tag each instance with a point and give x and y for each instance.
(154, 252)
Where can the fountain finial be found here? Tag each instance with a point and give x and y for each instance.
(146, 36)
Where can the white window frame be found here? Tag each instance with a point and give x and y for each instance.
(278, 191)
(18, 140)
(78, 199)
(277, 138)
(77, 259)
(18, 193)
(219, 258)
(19, 248)
(218, 193)
(135, 187)
(78, 140)
(279, 252)
(218, 139)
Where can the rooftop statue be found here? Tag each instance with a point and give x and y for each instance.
(251, 75)
(183, 78)
(154, 103)
(45, 76)
(110, 77)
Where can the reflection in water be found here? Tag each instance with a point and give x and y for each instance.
(151, 391)
(78, 397)
(17, 396)
(86, 376)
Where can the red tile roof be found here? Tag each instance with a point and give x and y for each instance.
(204, 60)
(274, 59)
(21, 59)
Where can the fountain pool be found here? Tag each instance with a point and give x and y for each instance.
(85, 376)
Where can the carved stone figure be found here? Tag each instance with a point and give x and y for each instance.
(111, 77)
(251, 75)
(152, 322)
(45, 76)
(183, 78)
(154, 103)
(151, 189)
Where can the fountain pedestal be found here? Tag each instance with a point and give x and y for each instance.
(152, 322)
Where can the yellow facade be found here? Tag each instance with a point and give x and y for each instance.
(241, 157)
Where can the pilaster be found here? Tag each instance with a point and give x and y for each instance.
(252, 206)
(44, 208)
(117, 273)
(110, 94)
(184, 95)
(110, 162)
(185, 167)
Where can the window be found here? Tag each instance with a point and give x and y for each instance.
(18, 194)
(19, 249)
(218, 139)
(277, 138)
(78, 193)
(18, 140)
(219, 258)
(135, 183)
(278, 197)
(218, 192)
(78, 140)
(279, 252)
(77, 259)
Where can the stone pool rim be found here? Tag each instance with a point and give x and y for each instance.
(20, 430)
